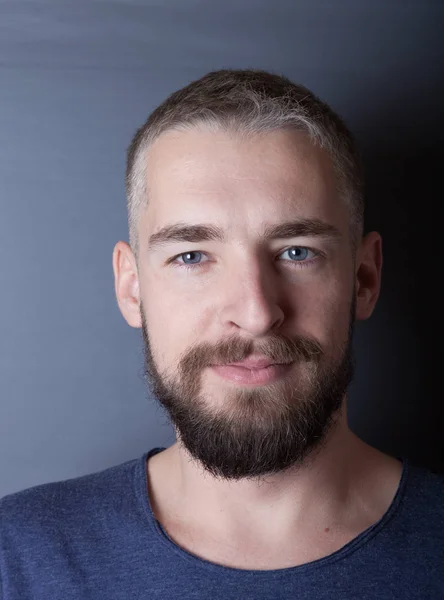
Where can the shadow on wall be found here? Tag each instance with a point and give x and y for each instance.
(404, 158)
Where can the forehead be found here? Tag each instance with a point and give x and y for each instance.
(240, 180)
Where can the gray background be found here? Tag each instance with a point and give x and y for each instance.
(76, 79)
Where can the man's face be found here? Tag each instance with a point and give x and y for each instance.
(257, 264)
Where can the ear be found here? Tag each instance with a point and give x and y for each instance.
(368, 274)
(126, 283)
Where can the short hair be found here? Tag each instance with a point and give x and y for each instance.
(248, 101)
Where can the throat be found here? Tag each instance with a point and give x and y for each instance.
(273, 538)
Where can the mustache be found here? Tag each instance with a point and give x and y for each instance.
(277, 348)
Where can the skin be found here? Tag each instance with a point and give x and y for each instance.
(248, 287)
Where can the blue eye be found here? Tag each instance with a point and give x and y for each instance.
(191, 258)
(298, 253)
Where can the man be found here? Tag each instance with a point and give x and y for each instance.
(246, 270)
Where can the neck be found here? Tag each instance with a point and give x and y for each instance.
(332, 489)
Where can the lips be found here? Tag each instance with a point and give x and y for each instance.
(252, 363)
(240, 373)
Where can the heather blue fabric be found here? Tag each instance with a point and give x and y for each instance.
(95, 538)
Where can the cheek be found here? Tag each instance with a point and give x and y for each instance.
(174, 323)
(323, 312)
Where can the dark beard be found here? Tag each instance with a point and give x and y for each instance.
(257, 431)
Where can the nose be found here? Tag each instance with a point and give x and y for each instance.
(251, 300)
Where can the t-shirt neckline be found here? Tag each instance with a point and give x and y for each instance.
(141, 489)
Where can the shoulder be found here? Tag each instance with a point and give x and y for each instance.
(425, 483)
(423, 499)
(47, 505)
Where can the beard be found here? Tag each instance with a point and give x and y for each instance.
(260, 430)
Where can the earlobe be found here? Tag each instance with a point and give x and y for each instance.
(126, 284)
(368, 275)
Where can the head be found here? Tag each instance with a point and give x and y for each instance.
(246, 242)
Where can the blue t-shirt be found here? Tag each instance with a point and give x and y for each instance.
(95, 537)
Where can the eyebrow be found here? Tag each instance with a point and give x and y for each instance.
(183, 232)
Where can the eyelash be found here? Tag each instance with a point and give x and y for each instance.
(298, 264)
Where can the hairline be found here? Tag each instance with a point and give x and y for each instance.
(139, 166)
